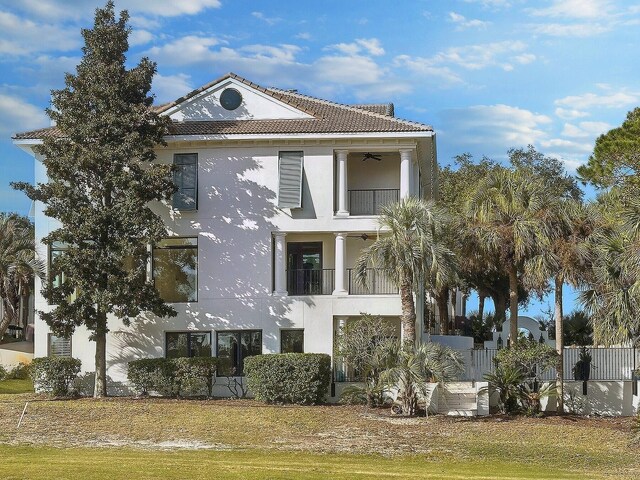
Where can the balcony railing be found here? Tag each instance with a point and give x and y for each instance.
(310, 282)
(378, 283)
(370, 202)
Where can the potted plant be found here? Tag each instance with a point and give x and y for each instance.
(582, 368)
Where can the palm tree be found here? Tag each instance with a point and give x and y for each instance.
(509, 215)
(410, 253)
(18, 268)
(413, 368)
(564, 260)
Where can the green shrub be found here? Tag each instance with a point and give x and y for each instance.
(194, 375)
(301, 378)
(152, 375)
(55, 375)
(3, 373)
(19, 372)
(173, 376)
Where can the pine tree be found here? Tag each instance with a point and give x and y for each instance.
(101, 178)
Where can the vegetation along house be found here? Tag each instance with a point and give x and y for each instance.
(278, 193)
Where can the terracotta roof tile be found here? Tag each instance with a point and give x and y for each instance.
(328, 117)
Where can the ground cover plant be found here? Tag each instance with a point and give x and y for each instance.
(137, 438)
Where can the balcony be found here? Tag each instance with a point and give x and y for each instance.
(310, 282)
(370, 202)
(377, 283)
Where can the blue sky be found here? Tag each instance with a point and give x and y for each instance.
(487, 74)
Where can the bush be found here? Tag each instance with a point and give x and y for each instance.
(300, 378)
(55, 375)
(3, 373)
(173, 376)
(19, 372)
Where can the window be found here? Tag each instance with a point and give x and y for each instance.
(292, 341)
(175, 269)
(56, 276)
(290, 179)
(188, 344)
(185, 177)
(59, 346)
(234, 347)
(305, 275)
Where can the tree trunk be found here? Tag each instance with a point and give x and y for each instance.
(500, 304)
(442, 299)
(481, 307)
(559, 342)
(513, 304)
(100, 336)
(408, 314)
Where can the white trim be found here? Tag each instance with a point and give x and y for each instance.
(281, 136)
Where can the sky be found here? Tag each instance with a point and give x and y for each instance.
(488, 75)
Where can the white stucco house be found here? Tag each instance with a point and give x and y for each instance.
(278, 194)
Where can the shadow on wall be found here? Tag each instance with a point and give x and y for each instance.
(209, 108)
(234, 226)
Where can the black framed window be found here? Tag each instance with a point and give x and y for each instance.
(188, 344)
(175, 269)
(292, 341)
(234, 347)
(56, 275)
(304, 268)
(185, 176)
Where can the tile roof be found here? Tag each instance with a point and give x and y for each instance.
(328, 117)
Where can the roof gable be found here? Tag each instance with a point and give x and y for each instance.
(205, 104)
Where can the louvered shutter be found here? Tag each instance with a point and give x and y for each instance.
(290, 180)
(186, 179)
(59, 346)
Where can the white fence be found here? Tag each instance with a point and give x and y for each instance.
(606, 364)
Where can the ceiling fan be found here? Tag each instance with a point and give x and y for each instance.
(371, 155)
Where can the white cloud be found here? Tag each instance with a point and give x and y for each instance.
(304, 36)
(462, 22)
(570, 114)
(140, 37)
(491, 3)
(170, 87)
(585, 129)
(350, 70)
(494, 128)
(427, 67)
(525, 58)
(569, 30)
(592, 9)
(476, 57)
(19, 36)
(370, 46)
(619, 99)
(17, 115)
(185, 50)
(268, 20)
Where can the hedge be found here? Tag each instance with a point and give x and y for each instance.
(55, 375)
(300, 378)
(173, 376)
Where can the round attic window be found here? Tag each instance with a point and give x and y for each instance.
(230, 99)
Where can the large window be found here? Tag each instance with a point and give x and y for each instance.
(175, 269)
(188, 344)
(292, 341)
(234, 347)
(185, 176)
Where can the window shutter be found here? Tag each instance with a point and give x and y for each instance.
(59, 346)
(290, 180)
(186, 179)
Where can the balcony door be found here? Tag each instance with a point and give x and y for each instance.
(304, 268)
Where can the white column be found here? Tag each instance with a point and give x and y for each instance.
(342, 183)
(280, 265)
(340, 256)
(405, 172)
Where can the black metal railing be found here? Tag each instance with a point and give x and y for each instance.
(378, 283)
(370, 202)
(310, 282)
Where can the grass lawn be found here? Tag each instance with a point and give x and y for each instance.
(161, 438)
(16, 386)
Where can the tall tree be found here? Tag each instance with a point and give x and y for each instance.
(616, 157)
(18, 269)
(410, 252)
(508, 214)
(101, 178)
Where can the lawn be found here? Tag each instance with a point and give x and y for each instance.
(16, 386)
(158, 438)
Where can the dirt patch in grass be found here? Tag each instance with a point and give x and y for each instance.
(566, 442)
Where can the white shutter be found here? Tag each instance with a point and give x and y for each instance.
(290, 180)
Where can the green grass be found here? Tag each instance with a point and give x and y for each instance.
(116, 463)
(16, 386)
(128, 438)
